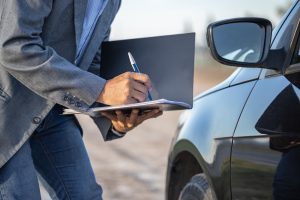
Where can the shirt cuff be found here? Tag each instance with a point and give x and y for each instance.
(117, 133)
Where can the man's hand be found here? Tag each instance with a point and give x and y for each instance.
(125, 89)
(123, 123)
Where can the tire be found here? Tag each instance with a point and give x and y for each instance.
(197, 189)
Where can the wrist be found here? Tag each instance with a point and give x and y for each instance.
(101, 96)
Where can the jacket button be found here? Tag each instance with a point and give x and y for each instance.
(78, 104)
(66, 98)
(36, 120)
(71, 101)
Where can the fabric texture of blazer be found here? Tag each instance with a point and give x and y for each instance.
(38, 41)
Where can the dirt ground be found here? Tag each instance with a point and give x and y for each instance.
(134, 167)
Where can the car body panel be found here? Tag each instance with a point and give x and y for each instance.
(209, 128)
(254, 161)
(221, 86)
(246, 75)
(220, 131)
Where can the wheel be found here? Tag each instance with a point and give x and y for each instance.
(197, 189)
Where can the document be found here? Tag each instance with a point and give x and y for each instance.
(167, 60)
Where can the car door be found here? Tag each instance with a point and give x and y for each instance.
(265, 143)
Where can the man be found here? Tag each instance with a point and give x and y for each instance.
(46, 46)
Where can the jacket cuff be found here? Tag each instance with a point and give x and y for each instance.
(96, 85)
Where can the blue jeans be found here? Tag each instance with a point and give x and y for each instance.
(56, 151)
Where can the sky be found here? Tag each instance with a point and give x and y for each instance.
(144, 18)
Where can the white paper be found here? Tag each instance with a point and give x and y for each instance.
(162, 104)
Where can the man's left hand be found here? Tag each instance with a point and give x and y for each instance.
(123, 123)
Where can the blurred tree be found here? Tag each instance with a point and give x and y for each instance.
(188, 26)
(282, 9)
(249, 14)
(210, 19)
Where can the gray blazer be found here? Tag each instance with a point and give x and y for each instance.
(38, 41)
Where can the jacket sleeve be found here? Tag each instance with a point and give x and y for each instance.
(103, 123)
(39, 67)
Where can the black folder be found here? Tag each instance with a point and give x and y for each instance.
(167, 60)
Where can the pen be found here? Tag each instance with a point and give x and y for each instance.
(136, 69)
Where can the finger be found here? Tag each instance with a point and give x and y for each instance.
(158, 114)
(138, 96)
(131, 100)
(140, 87)
(109, 115)
(121, 118)
(153, 114)
(133, 118)
(143, 78)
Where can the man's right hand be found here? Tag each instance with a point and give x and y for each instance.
(126, 88)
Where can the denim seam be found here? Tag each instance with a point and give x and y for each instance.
(48, 156)
(2, 192)
(4, 96)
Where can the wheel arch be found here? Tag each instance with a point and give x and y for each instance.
(183, 165)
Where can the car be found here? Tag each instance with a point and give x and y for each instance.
(241, 140)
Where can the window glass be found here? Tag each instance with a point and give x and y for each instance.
(284, 33)
(296, 55)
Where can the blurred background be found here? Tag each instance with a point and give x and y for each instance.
(134, 167)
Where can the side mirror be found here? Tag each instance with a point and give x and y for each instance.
(240, 42)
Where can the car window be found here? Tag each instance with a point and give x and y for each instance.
(283, 34)
(295, 58)
(296, 55)
(292, 74)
